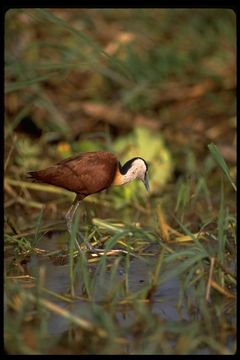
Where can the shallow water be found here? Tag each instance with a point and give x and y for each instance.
(56, 279)
(164, 303)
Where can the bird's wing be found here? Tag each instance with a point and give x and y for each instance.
(94, 172)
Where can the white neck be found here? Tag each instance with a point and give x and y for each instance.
(127, 177)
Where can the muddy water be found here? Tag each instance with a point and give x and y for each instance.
(56, 279)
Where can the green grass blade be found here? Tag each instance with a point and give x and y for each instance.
(196, 241)
(18, 85)
(221, 226)
(221, 163)
(38, 223)
(183, 266)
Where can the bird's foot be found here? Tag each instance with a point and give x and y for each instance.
(90, 248)
(93, 250)
(78, 246)
(103, 251)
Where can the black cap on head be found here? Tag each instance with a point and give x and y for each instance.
(124, 169)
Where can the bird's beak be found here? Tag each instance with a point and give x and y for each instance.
(146, 182)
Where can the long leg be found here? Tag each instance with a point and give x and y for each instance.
(69, 218)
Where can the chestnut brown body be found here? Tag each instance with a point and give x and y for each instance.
(84, 173)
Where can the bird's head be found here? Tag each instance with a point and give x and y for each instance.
(135, 168)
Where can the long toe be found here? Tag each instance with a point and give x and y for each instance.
(78, 246)
(87, 243)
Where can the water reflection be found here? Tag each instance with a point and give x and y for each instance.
(56, 279)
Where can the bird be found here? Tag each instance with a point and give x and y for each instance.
(88, 173)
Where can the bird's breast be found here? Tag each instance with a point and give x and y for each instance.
(118, 178)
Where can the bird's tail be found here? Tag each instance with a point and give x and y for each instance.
(31, 175)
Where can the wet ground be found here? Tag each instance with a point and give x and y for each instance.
(129, 297)
(56, 279)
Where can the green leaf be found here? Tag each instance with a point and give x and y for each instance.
(221, 162)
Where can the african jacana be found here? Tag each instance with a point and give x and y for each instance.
(88, 173)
